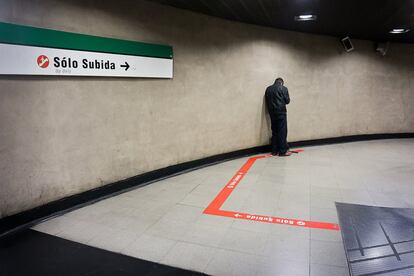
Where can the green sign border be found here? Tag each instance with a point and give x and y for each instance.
(32, 36)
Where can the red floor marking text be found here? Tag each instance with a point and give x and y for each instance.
(215, 205)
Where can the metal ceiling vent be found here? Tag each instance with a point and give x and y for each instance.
(347, 43)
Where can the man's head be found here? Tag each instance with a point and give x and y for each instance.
(279, 81)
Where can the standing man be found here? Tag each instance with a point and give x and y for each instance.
(277, 97)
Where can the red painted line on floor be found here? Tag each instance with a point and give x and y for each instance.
(274, 220)
(297, 151)
(215, 205)
(232, 184)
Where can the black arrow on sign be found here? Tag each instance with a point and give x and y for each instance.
(126, 65)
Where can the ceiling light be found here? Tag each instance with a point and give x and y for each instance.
(399, 31)
(305, 17)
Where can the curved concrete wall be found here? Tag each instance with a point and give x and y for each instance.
(61, 136)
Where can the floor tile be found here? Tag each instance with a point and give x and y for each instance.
(204, 234)
(231, 263)
(244, 241)
(328, 253)
(149, 248)
(112, 239)
(288, 248)
(169, 229)
(328, 270)
(189, 256)
(326, 235)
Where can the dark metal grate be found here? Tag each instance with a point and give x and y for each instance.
(377, 240)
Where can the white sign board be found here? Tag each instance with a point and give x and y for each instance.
(29, 60)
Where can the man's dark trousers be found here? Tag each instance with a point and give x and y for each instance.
(279, 133)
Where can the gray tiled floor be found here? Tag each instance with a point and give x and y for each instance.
(163, 222)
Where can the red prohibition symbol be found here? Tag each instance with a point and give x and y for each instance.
(43, 61)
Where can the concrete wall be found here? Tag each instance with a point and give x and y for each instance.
(61, 136)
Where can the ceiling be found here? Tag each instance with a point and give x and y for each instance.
(364, 19)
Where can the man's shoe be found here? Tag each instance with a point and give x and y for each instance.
(285, 154)
(275, 153)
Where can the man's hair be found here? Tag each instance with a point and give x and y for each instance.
(280, 81)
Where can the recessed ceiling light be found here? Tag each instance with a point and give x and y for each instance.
(305, 17)
(399, 31)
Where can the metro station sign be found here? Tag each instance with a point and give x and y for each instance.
(34, 51)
